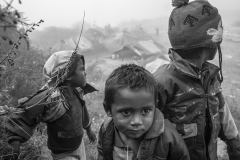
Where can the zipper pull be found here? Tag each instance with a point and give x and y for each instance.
(206, 98)
(127, 152)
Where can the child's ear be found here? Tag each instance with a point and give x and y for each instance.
(157, 102)
(109, 114)
(156, 106)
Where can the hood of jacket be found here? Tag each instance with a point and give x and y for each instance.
(185, 67)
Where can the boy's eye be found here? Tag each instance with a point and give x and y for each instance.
(146, 111)
(126, 113)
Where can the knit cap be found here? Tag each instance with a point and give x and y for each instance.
(194, 24)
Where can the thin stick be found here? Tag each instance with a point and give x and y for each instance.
(53, 89)
(81, 31)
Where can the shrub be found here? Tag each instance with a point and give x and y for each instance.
(29, 150)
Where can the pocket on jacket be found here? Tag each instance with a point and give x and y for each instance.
(188, 133)
(186, 130)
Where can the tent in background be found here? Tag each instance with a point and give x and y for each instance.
(127, 37)
(154, 65)
(95, 36)
(71, 43)
(128, 51)
(84, 44)
(149, 47)
(136, 43)
(140, 50)
(63, 45)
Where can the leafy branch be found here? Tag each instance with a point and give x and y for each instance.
(10, 17)
(16, 45)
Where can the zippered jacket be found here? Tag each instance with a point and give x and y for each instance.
(65, 122)
(161, 141)
(194, 104)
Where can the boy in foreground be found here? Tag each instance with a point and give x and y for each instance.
(60, 106)
(136, 129)
(190, 87)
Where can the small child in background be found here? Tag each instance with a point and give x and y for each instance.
(60, 105)
(190, 87)
(136, 129)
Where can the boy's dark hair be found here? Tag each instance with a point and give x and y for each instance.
(128, 76)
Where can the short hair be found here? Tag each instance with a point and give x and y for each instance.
(128, 76)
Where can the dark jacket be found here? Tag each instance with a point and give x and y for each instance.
(194, 103)
(161, 141)
(64, 121)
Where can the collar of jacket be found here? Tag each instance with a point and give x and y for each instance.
(155, 130)
(87, 89)
(186, 68)
(76, 91)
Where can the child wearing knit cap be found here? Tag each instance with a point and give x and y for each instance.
(60, 105)
(190, 87)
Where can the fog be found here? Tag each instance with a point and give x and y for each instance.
(65, 13)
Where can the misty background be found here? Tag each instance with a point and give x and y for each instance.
(115, 32)
(63, 18)
(102, 12)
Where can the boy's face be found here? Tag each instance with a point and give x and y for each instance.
(78, 77)
(133, 111)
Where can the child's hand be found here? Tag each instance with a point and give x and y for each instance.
(91, 135)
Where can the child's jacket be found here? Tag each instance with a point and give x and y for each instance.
(65, 122)
(161, 141)
(194, 103)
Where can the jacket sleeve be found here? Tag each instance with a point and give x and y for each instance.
(86, 118)
(178, 150)
(20, 126)
(99, 146)
(165, 89)
(229, 132)
(86, 121)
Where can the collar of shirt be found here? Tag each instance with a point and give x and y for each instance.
(121, 151)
